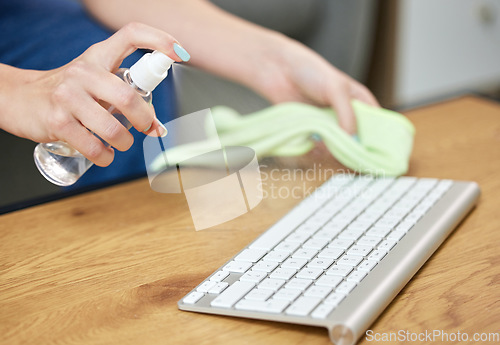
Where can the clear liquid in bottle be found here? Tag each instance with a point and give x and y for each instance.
(60, 163)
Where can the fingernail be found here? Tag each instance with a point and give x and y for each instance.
(315, 137)
(147, 129)
(355, 137)
(181, 52)
(163, 131)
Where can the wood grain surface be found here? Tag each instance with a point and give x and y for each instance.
(108, 267)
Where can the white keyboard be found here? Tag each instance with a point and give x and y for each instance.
(339, 257)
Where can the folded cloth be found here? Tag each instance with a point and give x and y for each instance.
(382, 147)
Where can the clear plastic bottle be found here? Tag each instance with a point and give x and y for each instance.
(61, 164)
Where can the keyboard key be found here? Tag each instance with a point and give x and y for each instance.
(342, 244)
(250, 255)
(303, 306)
(259, 294)
(232, 294)
(299, 284)
(283, 273)
(367, 265)
(377, 255)
(287, 247)
(329, 280)
(350, 260)
(276, 256)
(193, 297)
(265, 266)
(396, 235)
(294, 263)
(387, 245)
(370, 241)
(271, 306)
(218, 288)
(309, 273)
(359, 250)
(271, 284)
(322, 263)
(344, 218)
(205, 286)
(339, 270)
(337, 224)
(237, 266)
(307, 229)
(331, 253)
(396, 212)
(305, 253)
(350, 234)
(386, 223)
(414, 216)
(356, 276)
(287, 294)
(322, 311)
(346, 287)
(253, 276)
(297, 237)
(318, 291)
(219, 276)
(315, 243)
(379, 231)
(359, 226)
(404, 226)
(326, 234)
(334, 298)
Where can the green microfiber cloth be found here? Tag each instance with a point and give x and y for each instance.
(382, 147)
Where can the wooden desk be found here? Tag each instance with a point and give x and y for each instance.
(108, 267)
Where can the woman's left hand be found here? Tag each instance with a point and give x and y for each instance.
(293, 72)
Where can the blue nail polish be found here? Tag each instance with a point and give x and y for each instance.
(147, 129)
(181, 52)
(355, 137)
(315, 137)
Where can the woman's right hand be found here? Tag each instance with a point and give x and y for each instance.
(63, 104)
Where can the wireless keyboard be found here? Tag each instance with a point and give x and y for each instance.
(340, 256)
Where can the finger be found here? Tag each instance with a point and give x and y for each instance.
(157, 129)
(108, 87)
(64, 126)
(87, 144)
(111, 52)
(341, 101)
(361, 92)
(94, 117)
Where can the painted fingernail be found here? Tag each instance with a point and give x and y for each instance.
(355, 137)
(315, 137)
(147, 129)
(163, 129)
(181, 52)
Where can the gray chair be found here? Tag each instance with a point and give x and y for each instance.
(341, 31)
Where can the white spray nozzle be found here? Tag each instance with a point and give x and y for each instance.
(150, 70)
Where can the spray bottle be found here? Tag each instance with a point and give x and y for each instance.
(61, 164)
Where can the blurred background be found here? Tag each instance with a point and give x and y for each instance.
(408, 52)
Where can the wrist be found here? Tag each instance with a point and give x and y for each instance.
(267, 62)
(14, 98)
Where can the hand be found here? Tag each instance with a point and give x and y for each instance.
(64, 104)
(293, 72)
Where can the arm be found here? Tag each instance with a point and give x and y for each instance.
(275, 66)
